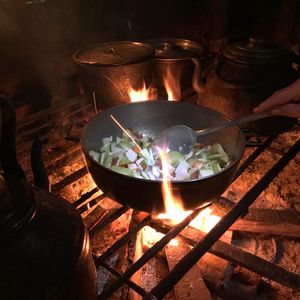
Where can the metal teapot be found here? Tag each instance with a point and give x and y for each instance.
(44, 251)
(246, 73)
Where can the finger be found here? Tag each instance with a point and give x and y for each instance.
(283, 96)
(290, 110)
(279, 98)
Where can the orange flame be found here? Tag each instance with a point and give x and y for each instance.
(172, 85)
(141, 94)
(175, 211)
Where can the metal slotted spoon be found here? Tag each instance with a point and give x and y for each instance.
(181, 137)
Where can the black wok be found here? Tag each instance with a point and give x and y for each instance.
(151, 117)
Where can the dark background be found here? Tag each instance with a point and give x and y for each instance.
(38, 37)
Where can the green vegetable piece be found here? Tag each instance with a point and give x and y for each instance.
(112, 145)
(216, 167)
(107, 161)
(105, 148)
(225, 158)
(124, 171)
(124, 161)
(174, 157)
(125, 145)
(191, 161)
(146, 144)
(102, 158)
(125, 137)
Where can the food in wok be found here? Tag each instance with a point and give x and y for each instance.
(135, 154)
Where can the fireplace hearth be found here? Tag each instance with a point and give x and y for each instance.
(134, 253)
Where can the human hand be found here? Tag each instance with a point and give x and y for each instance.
(283, 102)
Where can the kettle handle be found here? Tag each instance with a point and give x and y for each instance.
(8, 153)
(200, 73)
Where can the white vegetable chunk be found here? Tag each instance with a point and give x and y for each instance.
(181, 172)
(155, 171)
(131, 155)
(132, 167)
(95, 155)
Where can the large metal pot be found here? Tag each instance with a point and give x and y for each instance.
(108, 70)
(151, 117)
(179, 60)
(246, 73)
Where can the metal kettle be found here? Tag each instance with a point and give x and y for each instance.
(246, 73)
(44, 251)
(179, 61)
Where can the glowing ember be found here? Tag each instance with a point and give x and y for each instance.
(172, 85)
(205, 220)
(141, 94)
(150, 236)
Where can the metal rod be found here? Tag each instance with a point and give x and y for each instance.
(84, 197)
(185, 264)
(253, 156)
(92, 203)
(245, 259)
(148, 255)
(106, 221)
(118, 244)
(130, 283)
(69, 179)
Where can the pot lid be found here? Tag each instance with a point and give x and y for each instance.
(256, 52)
(17, 204)
(115, 53)
(172, 48)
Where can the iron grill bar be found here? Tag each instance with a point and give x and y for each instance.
(253, 156)
(92, 202)
(85, 197)
(149, 254)
(187, 262)
(122, 241)
(69, 179)
(234, 254)
(130, 283)
(107, 220)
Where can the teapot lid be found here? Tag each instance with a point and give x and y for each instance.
(173, 48)
(256, 52)
(17, 204)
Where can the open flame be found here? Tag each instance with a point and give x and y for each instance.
(175, 211)
(141, 94)
(172, 85)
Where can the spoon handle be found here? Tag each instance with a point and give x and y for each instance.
(249, 118)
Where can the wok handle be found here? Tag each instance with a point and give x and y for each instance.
(249, 118)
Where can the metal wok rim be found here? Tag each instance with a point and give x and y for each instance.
(174, 182)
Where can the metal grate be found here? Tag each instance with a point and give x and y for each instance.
(77, 113)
